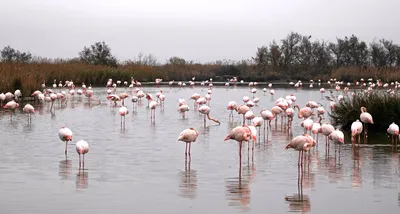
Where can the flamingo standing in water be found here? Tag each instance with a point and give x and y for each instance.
(305, 112)
(12, 105)
(337, 136)
(327, 129)
(301, 143)
(28, 108)
(65, 134)
(188, 136)
(82, 147)
(366, 118)
(231, 106)
(356, 130)
(206, 111)
(182, 109)
(122, 112)
(393, 130)
(152, 106)
(242, 134)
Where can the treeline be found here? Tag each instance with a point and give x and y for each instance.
(294, 57)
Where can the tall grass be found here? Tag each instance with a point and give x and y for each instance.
(355, 73)
(383, 107)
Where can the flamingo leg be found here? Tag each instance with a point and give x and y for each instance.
(186, 149)
(79, 161)
(240, 158)
(66, 144)
(299, 161)
(205, 120)
(189, 149)
(83, 161)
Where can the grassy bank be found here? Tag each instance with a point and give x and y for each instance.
(383, 107)
(29, 76)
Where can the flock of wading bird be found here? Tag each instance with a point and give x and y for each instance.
(247, 132)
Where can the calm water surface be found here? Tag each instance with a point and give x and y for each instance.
(140, 168)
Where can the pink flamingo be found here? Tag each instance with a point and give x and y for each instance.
(182, 109)
(11, 105)
(152, 106)
(305, 112)
(231, 106)
(242, 109)
(65, 134)
(188, 136)
(28, 108)
(307, 125)
(393, 130)
(257, 122)
(82, 147)
(301, 143)
(242, 134)
(327, 129)
(122, 97)
(122, 112)
(206, 111)
(337, 137)
(366, 118)
(356, 130)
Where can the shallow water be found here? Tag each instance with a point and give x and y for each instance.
(140, 167)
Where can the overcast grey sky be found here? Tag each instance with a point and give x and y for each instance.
(200, 30)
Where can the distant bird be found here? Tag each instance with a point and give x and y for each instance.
(82, 147)
(356, 130)
(28, 108)
(393, 130)
(206, 111)
(188, 136)
(65, 135)
(366, 118)
(301, 143)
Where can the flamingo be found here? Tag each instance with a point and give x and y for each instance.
(82, 147)
(182, 109)
(231, 106)
(122, 112)
(301, 143)
(134, 100)
(307, 125)
(28, 108)
(327, 129)
(123, 96)
(337, 136)
(305, 112)
(188, 136)
(242, 109)
(393, 130)
(206, 111)
(266, 115)
(12, 105)
(356, 130)
(242, 134)
(152, 106)
(365, 118)
(65, 134)
(257, 122)
(249, 115)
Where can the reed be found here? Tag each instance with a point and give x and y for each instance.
(355, 73)
(383, 107)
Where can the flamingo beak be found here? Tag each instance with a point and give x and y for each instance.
(396, 132)
(228, 137)
(341, 140)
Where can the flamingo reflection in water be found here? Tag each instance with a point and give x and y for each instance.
(188, 182)
(299, 202)
(82, 179)
(65, 169)
(238, 189)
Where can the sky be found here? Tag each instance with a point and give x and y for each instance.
(199, 30)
